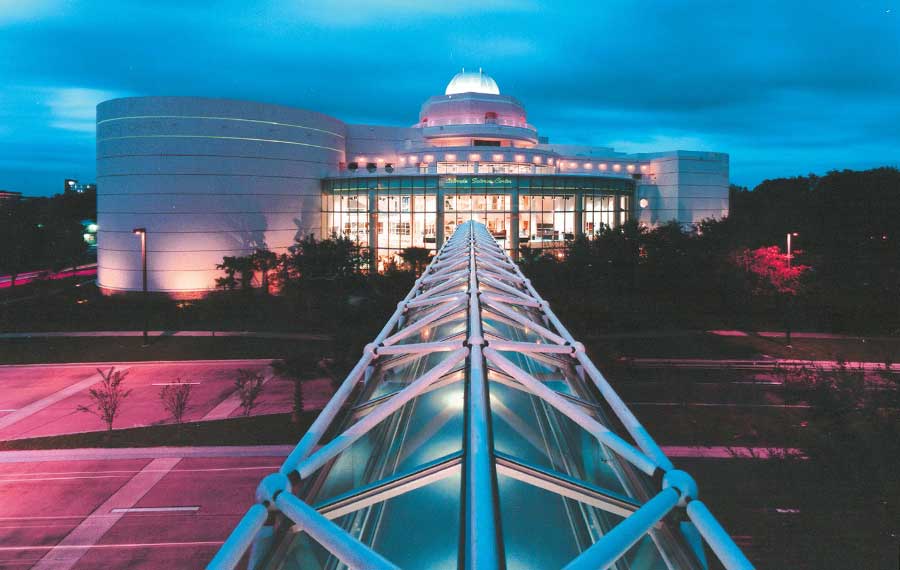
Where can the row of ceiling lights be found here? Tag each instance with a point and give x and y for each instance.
(520, 158)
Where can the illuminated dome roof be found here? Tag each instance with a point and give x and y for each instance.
(472, 82)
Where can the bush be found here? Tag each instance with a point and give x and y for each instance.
(175, 398)
(107, 396)
(249, 387)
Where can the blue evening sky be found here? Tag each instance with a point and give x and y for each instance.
(785, 87)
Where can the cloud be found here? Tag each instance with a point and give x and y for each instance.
(21, 11)
(361, 13)
(780, 86)
(75, 108)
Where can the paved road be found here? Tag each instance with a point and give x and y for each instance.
(125, 513)
(41, 400)
(746, 364)
(23, 278)
(106, 334)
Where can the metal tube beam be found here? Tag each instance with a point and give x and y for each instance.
(483, 542)
(526, 322)
(341, 442)
(533, 347)
(719, 541)
(240, 539)
(336, 540)
(575, 413)
(624, 535)
(412, 329)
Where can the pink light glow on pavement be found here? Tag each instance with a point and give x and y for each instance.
(25, 278)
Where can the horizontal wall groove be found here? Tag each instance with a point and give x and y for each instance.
(149, 270)
(169, 154)
(235, 194)
(220, 174)
(207, 118)
(153, 232)
(226, 250)
(219, 137)
(205, 212)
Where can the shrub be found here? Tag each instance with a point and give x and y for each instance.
(175, 398)
(107, 396)
(249, 386)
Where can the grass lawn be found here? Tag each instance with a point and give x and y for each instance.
(274, 429)
(753, 427)
(129, 349)
(786, 515)
(711, 346)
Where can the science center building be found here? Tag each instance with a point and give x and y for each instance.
(209, 178)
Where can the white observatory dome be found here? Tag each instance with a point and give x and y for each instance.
(472, 82)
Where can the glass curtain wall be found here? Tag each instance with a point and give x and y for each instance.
(390, 214)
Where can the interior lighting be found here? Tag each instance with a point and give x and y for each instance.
(413, 159)
(588, 166)
(455, 400)
(474, 157)
(450, 157)
(573, 165)
(617, 167)
(429, 158)
(630, 168)
(537, 160)
(498, 158)
(644, 168)
(520, 158)
(602, 166)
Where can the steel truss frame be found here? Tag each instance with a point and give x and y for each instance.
(472, 278)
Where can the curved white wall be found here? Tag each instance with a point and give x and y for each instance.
(207, 178)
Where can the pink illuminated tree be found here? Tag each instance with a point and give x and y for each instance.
(770, 271)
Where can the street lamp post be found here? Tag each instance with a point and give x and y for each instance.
(143, 233)
(789, 302)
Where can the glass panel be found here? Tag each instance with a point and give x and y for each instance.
(419, 529)
(396, 445)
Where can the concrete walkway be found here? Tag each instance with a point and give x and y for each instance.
(76, 544)
(109, 454)
(767, 364)
(102, 334)
(94, 454)
(796, 335)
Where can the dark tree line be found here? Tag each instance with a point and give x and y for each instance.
(325, 282)
(45, 233)
(844, 275)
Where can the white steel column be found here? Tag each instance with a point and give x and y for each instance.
(483, 542)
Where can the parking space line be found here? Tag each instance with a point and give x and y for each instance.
(74, 546)
(82, 548)
(227, 406)
(48, 401)
(157, 510)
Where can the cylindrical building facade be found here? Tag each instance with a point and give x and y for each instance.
(207, 178)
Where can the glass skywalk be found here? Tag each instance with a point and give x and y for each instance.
(475, 432)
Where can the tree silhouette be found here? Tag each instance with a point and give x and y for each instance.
(175, 398)
(416, 259)
(107, 396)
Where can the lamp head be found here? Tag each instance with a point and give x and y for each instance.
(139, 231)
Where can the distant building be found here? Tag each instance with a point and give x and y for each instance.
(8, 198)
(89, 228)
(72, 185)
(210, 178)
